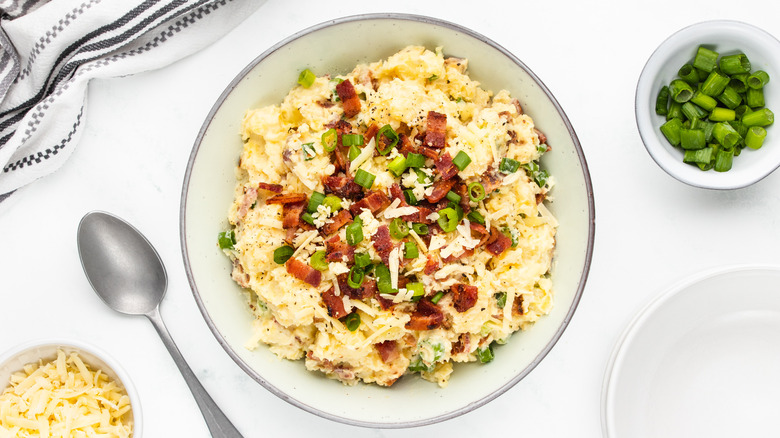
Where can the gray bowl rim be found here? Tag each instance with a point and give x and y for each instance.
(281, 394)
(680, 178)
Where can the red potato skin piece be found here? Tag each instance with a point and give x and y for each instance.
(303, 272)
(464, 296)
(436, 129)
(334, 304)
(349, 98)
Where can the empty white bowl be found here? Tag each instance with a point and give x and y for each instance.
(725, 37)
(15, 359)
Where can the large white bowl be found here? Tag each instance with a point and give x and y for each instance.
(15, 359)
(725, 37)
(337, 46)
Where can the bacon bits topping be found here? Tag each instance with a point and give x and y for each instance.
(291, 214)
(498, 242)
(374, 202)
(445, 167)
(388, 350)
(382, 243)
(428, 316)
(250, 196)
(464, 296)
(275, 188)
(360, 293)
(334, 304)
(349, 98)
(342, 186)
(287, 198)
(337, 250)
(440, 190)
(436, 129)
(339, 220)
(431, 265)
(303, 272)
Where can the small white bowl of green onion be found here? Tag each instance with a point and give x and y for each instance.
(705, 104)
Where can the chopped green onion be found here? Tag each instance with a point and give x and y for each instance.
(704, 101)
(725, 134)
(330, 139)
(355, 232)
(362, 259)
(735, 64)
(475, 216)
(383, 282)
(364, 179)
(758, 79)
(741, 111)
(409, 196)
(306, 78)
(314, 201)
(714, 84)
(333, 202)
(352, 321)
(226, 239)
(308, 218)
(705, 59)
(730, 97)
(353, 153)
(476, 191)
(702, 156)
(720, 114)
(355, 277)
(675, 111)
(688, 74)
(420, 229)
(415, 160)
(437, 297)
(448, 219)
(739, 82)
(458, 209)
(319, 260)
(398, 165)
(754, 97)
(422, 177)
(453, 197)
(755, 136)
(398, 228)
(692, 138)
(671, 130)
(417, 288)
(508, 165)
(410, 250)
(282, 254)
(352, 139)
(485, 354)
(500, 299)
(692, 111)
(461, 160)
(308, 151)
(680, 91)
(432, 78)
(723, 160)
(386, 132)
(762, 117)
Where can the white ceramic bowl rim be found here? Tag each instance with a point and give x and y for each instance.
(115, 368)
(652, 139)
(587, 181)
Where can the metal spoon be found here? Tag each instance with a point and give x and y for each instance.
(129, 276)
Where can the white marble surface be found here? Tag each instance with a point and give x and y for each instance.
(650, 229)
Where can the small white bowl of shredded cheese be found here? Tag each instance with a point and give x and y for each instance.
(60, 387)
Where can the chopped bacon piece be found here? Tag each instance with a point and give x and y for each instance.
(287, 198)
(440, 190)
(250, 196)
(342, 218)
(445, 166)
(462, 345)
(382, 243)
(334, 304)
(498, 242)
(303, 271)
(291, 214)
(397, 193)
(342, 186)
(429, 153)
(491, 181)
(432, 265)
(337, 250)
(519, 108)
(452, 257)
(539, 198)
(464, 296)
(239, 275)
(276, 188)
(542, 137)
(388, 350)
(340, 161)
(405, 145)
(421, 216)
(436, 129)
(517, 305)
(325, 103)
(463, 191)
(371, 132)
(481, 232)
(428, 316)
(349, 98)
(289, 235)
(375, 201)
(356, 294)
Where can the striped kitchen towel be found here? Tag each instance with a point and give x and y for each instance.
(50, 49)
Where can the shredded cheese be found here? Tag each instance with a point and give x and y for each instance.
(64, 398)
(366, 153)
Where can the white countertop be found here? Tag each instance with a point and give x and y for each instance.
(651, 230)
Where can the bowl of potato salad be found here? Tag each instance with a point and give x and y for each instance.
(389, 231)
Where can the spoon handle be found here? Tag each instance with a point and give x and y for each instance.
(219, 425)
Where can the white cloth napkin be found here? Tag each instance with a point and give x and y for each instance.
(49, 50)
